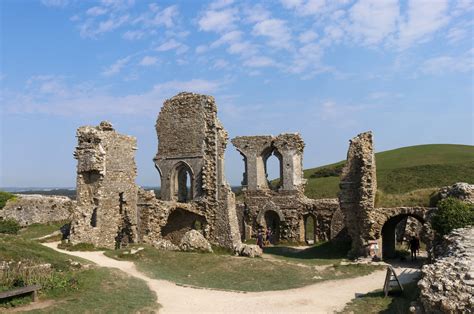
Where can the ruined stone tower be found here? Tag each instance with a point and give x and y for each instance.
(106, 212)
(190, 161)
(358, 188)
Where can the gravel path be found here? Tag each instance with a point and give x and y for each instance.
(324, 297)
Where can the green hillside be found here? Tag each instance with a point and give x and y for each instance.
(405, 176)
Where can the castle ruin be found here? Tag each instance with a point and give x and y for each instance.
(113, 211)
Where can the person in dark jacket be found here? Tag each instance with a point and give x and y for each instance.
(414, 247)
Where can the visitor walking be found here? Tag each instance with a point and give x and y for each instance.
(260, 238)
(414, 247)
(268, 237)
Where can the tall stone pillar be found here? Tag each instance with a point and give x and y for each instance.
(290, 147)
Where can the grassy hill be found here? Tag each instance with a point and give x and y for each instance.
(405, 176)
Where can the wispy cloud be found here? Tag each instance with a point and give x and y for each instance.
(148, 60)
(218, 21)
(449, 64)
(423, 19)
(50, 95)
(116, 67)
(172, 45)
(55, 3)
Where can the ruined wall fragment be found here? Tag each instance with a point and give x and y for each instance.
(192, 139)
(358, 188)
(105, 214)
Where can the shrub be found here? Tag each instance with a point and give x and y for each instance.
(452, 213)
(329, 171)
(4, 197)
(9, 226)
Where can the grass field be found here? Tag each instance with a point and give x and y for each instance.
(227, 272)
(74, 289)
(406, 175)
(376, 302)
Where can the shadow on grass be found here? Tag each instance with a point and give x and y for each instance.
(323, 250)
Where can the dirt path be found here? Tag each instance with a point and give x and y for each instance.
(324, 297)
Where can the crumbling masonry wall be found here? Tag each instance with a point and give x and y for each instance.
(358, 188)
(106, 211)
(191, 142)
(284, 208)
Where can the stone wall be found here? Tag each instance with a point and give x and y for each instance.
(461, 190)
(31, 209)
(192, 142)
(358, 188)
(286, 213)
(106, 213)
(447, 285)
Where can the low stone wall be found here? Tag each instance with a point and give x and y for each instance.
(30, 209)
(447, 285)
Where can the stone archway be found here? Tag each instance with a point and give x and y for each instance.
(388, 235)
(271, 217)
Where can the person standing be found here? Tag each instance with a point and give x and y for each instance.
(414, 247)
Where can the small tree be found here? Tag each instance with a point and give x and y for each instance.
(9, 226)
(452, 213)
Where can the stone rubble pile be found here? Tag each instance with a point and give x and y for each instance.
(461, 190)
(193, 240)
(447, 285)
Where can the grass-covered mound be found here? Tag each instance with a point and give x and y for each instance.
(4, 197)
(405, 176)
(227, 272)
(72, 284)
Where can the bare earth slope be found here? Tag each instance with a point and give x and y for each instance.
(325, 297)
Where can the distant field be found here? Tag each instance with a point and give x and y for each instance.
(414, 170)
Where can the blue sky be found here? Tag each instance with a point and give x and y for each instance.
(326, 69)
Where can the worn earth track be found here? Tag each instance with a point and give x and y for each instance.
(325, 297)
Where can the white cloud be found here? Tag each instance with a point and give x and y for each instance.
(54, 3)
(228, 38)
(449, 64)
(276, 31)
(256, 13)
(166, 17)
(116, 67)
(373, 20)
(172, 45)
(259, 62)
(91, 29)
(219, 4)
(307, 36)
(458, 33)
(134, 35)
(303, 8)
(201, 49)
(220, 64)
(425, 17)
(218, 21)
(148, 60)
(87, 100)
(96, 11)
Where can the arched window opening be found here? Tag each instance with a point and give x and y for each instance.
(310, 229)
(273, 170)
(183, 183)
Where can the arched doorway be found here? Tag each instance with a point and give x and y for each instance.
(310, 229)
(389, 234)
(182, 183)
(272, 222)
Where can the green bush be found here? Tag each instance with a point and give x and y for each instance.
(4, 197)
(9, 226)
(452, 213)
